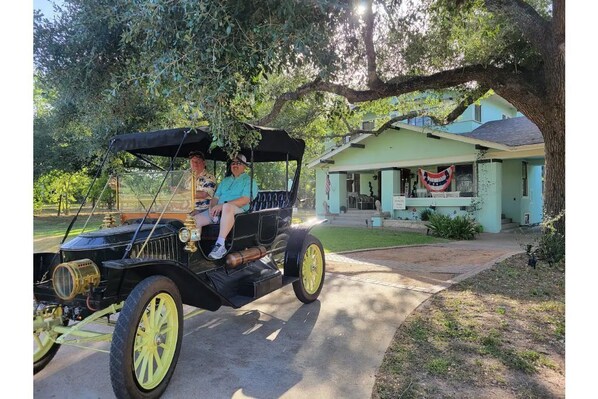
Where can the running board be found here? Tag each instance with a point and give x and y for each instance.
(256, 286)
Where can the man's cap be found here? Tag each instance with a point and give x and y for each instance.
(197, 154)
(241, 158)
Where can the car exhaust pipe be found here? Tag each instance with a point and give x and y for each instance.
(247, 255)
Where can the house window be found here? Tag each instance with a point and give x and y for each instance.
(367, 125)
(420, 121)
(524, 178)
(405, 188)
(542, 179)
(440, 169)
(464, 180)
(353, 182)
(478, 113)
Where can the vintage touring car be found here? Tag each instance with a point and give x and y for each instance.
(135, 276)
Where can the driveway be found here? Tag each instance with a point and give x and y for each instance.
(277, 347)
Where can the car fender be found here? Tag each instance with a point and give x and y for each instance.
(194, 291)
(297, 234)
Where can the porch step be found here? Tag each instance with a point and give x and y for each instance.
(350, 222)
(506, 220)
(509, 226)
(350, 216)
(353, 217)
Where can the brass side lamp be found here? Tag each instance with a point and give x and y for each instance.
(189, 234)
(108, 221)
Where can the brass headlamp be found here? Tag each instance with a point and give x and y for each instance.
(76, 277)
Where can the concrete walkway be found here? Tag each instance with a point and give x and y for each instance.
(278, 348)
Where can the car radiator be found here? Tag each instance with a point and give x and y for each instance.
(166, 248)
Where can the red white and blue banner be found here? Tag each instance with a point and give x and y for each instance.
(437, 181)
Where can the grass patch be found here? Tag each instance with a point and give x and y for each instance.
(52, 226)
(339, 239)
(438, 366)
(489, 333)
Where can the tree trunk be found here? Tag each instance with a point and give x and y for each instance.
(554, 177)
(554, 130)
(59, 204)
(546, 108)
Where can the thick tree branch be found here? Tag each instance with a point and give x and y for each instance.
(454, 114)
(486, 75)
(531, 24)
(467, 101)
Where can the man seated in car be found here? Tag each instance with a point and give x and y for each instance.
(233, 195)
(205, 184)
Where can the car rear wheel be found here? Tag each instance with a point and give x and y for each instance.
(311, 271)
(147, 339)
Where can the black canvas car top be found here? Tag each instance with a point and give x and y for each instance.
(274, 145)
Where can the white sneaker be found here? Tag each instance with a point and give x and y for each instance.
(217, 252)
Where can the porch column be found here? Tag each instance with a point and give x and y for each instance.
(338, 191)
(391, 184)
(535, 193)
(320, 191)
(490, 195)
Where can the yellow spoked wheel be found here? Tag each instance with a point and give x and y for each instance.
(147, 339)
(155, 342)
(311, 272)
(44, 345)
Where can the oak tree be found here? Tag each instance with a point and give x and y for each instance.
(305, 64)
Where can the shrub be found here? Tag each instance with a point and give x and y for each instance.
(550, 247)
(425, 214)
(552, 243)
(457, 228)
(438, 224)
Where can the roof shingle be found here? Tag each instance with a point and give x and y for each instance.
(513, 132)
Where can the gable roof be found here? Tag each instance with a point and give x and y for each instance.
(512, 135)
(513, 132)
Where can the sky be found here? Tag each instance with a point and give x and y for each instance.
(46, 6)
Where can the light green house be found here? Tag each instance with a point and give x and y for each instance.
(498, 158)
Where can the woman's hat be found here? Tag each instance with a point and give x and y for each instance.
(196, 154)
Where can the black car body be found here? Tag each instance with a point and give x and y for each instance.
(141, 266)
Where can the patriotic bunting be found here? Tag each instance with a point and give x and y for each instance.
(437, 181)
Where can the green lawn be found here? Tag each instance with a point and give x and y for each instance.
(339, 239)
(334, 239)
(50, 226)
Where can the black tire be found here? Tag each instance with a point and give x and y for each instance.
(45, 359)
(312, 270)
(135, 317)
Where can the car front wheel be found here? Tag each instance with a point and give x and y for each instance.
(44, 345)
(147, 339)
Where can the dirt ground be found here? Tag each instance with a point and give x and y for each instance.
(416, 267)
(498, 334)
